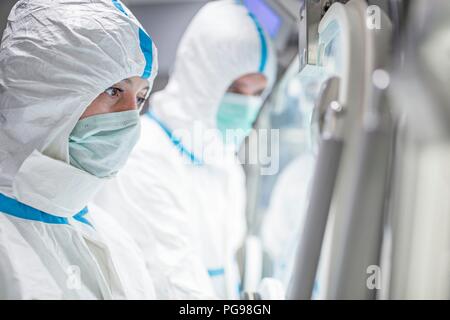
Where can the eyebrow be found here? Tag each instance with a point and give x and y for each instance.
(130, 82)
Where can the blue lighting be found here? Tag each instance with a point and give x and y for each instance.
(268, 18)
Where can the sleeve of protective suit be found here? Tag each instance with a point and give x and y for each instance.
(287, 206)
(158, 220)
(184, 276)
(175, 258)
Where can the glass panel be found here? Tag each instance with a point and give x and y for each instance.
(283, 197)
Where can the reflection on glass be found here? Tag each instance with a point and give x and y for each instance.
(293, 105)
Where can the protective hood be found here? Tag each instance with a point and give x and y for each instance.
(223, 42)
(56, 57)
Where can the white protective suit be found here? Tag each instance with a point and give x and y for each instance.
(56, 57)
(286, 214)
(187, 212)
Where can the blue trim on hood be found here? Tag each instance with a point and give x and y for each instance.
(119, 6)
(262, 38)
(145, 43)
(147, 49)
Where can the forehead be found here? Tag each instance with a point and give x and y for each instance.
(136, 82)
(251, 79)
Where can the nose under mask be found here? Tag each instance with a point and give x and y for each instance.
(101, 144)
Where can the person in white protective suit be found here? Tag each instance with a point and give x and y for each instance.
(72, 77)
(184, 209)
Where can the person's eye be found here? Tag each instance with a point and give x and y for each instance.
(113, 91)
(234, 90)
(259, 93)
(140, 100)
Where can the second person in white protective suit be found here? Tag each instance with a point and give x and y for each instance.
(73, 75)
(185, 209)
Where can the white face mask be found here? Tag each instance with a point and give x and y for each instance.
(101, 144)
(236, 116)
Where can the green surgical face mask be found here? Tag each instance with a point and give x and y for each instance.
(101, 144)
(236, 116)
